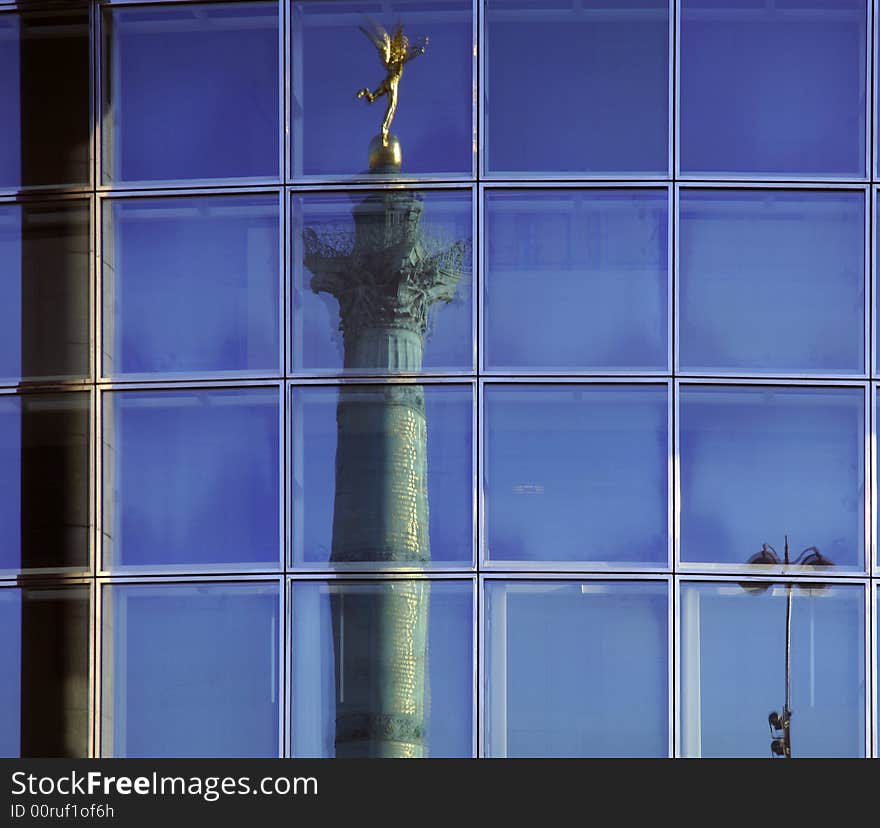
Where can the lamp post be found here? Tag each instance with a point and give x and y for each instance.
(780, 722)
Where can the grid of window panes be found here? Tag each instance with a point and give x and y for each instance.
(649, 394)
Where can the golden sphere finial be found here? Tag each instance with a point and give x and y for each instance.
(385, 156)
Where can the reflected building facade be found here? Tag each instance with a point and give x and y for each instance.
(471, 457)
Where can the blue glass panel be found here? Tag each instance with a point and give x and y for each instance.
(44, 98)
(191, 92)
(590, 487)
(772, 281)
(44, 482)
(380, 467)
(44, 683)
(191, 670)
(332, 59)
(584, 273)
(382, 669)
(191, 284)
(773, 89)
(327, 223)
(44, 291)
(759, 463)
(191, 478)
(568, 664)
(578, 87)
(733, 668)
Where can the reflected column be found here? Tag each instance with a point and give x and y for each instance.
(385, 279)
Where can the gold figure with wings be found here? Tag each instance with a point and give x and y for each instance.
(395, 52)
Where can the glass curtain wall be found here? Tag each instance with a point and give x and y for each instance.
(541, 426)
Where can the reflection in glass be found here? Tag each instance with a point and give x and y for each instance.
(733, 668)
(44, 482)
(399, 264)
(165, 257)
(584, 272)
(44, 683)
(191, 477)
(576, 473)
(576, 669)
(44, 112)
(762, 462)
(191, 92)
(331, 59)
(44, 290)
(360, 495)
(382, 669)
(773, 88)
(190, 670)
(772, 281)
(578, 87)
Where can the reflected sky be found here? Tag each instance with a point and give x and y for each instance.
(576, 473)
(579, 87)
(773, 88)
(577, 669)
(191, 478)
(760, 463)
(163, 257)
(772, 281)
(191, 92)
(733, 669)
(584, 272)
(191, 670)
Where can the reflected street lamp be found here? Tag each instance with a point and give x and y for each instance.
(780, 722)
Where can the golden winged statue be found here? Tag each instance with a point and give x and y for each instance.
(395, 51)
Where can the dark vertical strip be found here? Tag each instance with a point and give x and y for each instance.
(54, 129)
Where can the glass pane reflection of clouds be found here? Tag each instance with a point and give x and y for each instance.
(576, 280)
(762, 462)
(733, 668)
(576, 473)
(772, 281)
(773, 88)
(190, 670)
(580, 87)
(577, 669)
(191, 92)
(191, 478)
(165, 258)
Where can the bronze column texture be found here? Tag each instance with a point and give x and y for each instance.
(385, 280)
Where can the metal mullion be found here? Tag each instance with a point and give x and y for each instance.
(184, 384)
(380, 184)
(481, 168)
(870, 301)
(872, 672)
(515, 179)
(872, 500)
(383, 380)
(144, 193)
